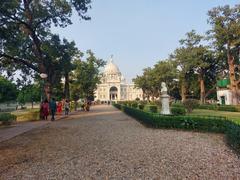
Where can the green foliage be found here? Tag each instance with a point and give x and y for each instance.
(196, 62)
(86, 76)
(152, 108)
(198, 123)
(233, 135)
(178, 104)
(227, 108)
(178, 111)
(8, 90)
(29, 93)
(150, 81)
(190, 104)
(134, 105)
(27, 43)
(141, 106)
(225, 22)
(7, 118)
(216, 107)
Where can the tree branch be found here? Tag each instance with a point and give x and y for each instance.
(21, 61)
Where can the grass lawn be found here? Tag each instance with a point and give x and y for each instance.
(27, 114)
(229, 115)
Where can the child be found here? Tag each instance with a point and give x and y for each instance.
(67, 107)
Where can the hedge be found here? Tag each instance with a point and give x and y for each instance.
(229, 108)
(233, 135)
(178, 110)
(215, 124)
(7, 118)
(152, 108)
(141, 106)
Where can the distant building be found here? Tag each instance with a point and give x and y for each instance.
(113, 86)
(225, 95)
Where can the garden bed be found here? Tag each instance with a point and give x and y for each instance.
(217, 124)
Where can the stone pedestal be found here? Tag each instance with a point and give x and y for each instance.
(165, 104)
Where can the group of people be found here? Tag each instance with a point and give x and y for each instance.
(53, 107)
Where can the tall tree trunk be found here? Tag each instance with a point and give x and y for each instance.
(183, 90)
(202, 89)
(66, 86)
(47, 90)
(232, 77)
(36, 46)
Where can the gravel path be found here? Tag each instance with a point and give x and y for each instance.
(107, 144)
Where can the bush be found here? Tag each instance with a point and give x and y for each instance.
(233, 135)
(216, 107)
(190, 104)
(7, 118)
(227, 108)
(177, 105)
(178, 111)
(152, 108)
(134, 104)
(208, 106)
(199, 123)
(141, 106)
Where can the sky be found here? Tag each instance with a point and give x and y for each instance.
(138, 33)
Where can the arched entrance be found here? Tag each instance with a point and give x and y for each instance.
(113, 95)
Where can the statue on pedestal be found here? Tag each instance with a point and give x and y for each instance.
(164, 99)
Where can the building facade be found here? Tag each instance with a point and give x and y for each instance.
(225, 95)
(113, 86)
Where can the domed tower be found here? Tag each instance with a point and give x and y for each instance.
(111, 73)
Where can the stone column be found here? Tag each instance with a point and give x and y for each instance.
(165, 104)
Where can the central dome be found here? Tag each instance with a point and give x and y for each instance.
(111, 68)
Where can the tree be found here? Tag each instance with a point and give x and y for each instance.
(25, 26)
(196, 63)
(86, 76)
(186, 59)
(146, 83)
(8, 90)
(29, 93)
(61, 55)
(225, 32)
(150, 81)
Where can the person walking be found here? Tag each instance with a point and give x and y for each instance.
(53, 108)
(67, 107)
(59, 107)
(45, 109)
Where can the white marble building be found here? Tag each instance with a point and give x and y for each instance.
(114, 87)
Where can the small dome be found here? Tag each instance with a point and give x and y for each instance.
(111, 68)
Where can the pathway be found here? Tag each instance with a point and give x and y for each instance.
(107, 144)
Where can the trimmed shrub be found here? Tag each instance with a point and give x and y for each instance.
(208, 106)
(152, 108)
(177, 105)
(227, 108)
(216, 107)
(141, 106)
(7, 118)
(233, 135)
(178, 111)
(134, 104)
(199, 123)
(190, 104)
